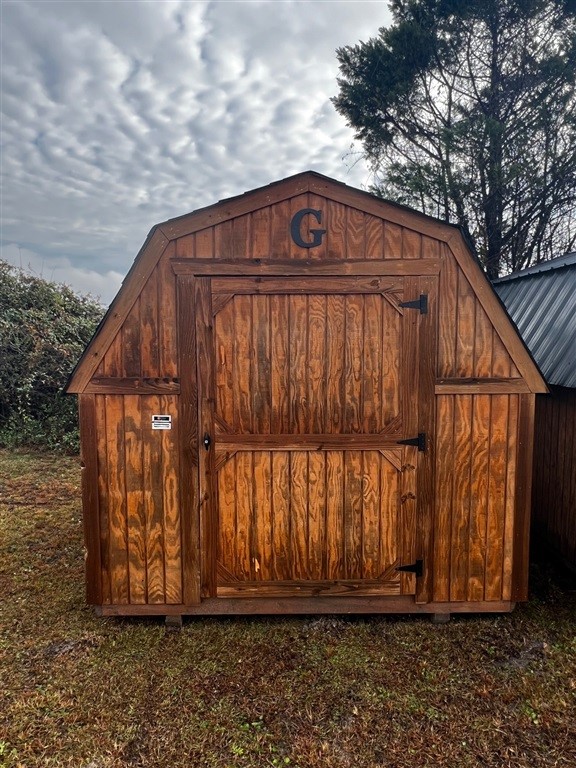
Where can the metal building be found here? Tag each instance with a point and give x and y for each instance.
(542, 302)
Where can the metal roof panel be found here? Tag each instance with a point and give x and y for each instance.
(541, 301)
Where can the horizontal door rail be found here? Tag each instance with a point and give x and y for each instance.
(284, 268)
(347, 442)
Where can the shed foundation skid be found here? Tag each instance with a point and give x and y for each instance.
(306, 400)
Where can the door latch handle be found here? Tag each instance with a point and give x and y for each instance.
(207, 441)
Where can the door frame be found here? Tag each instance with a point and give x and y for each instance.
(196, 343)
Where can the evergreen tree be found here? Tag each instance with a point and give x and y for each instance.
(467, 111)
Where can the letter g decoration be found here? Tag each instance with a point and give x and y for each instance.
(295, 226)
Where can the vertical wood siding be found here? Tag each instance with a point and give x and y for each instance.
(468, 344)
(554, 487)
(140, 497)
(475, 481)
(139, 514)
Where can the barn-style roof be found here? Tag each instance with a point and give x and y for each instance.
(542, 302)
(163, 234)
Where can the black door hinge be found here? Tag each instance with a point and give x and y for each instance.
(419, 441)
(417, 568)
(421, 304)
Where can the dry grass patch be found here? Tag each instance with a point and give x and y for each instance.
(84, 692)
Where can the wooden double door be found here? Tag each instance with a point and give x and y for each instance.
(308, 389)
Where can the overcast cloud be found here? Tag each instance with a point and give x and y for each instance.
(119, 115)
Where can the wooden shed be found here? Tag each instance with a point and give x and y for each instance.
(306, 400)
(542, 302)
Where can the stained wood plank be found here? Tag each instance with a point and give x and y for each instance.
(410, 367)
(354, 363)
(431, 248)
(280, 230)
(224, 240)
(152, 484)
(103, 497)
(242, 234)
(132, 385)
(184, 246)
(316, 604)
(466, 323)
(392, 242)
(374, 515)
(343, 284)
(171, 480)
(336, 235)
(149, 331)
(242, 369)
(444, 497)
(116, 491)
(335, 481)
(501, 362)
(499, 412)
(408, 519)
(90, 501)
(260, 221)
(373, 381)
(279, 368)
(411, 244)
(167, 316)
(307, 442)
(302, 589)
(335, 344)
(355, 234)
(281, 517)
(480, 472)
(460, 539)
(472, 386)
(426, 418)
(374, 237)
(262, 521)
(316, 355)
(353, 503)
(261, 364)
(225, 339)
(112, 361)
(298, 348)
(447, 310)
(208, 488)
(299, 487)
(135, 517)
(189, 494)
(204, 243)
(303, 266)
(317, 493)
(241, 566)
(483, 344)
(390, 518)
(227, 514)
(394, 377)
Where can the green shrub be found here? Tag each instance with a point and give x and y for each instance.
(44, 328)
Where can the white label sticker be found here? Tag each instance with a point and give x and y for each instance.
(161, 421)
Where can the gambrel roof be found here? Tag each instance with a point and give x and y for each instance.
(164, 233)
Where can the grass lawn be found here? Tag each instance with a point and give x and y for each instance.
(301, 692)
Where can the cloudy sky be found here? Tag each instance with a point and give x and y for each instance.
(118, 115)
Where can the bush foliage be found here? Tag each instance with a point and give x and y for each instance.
(44, 327)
